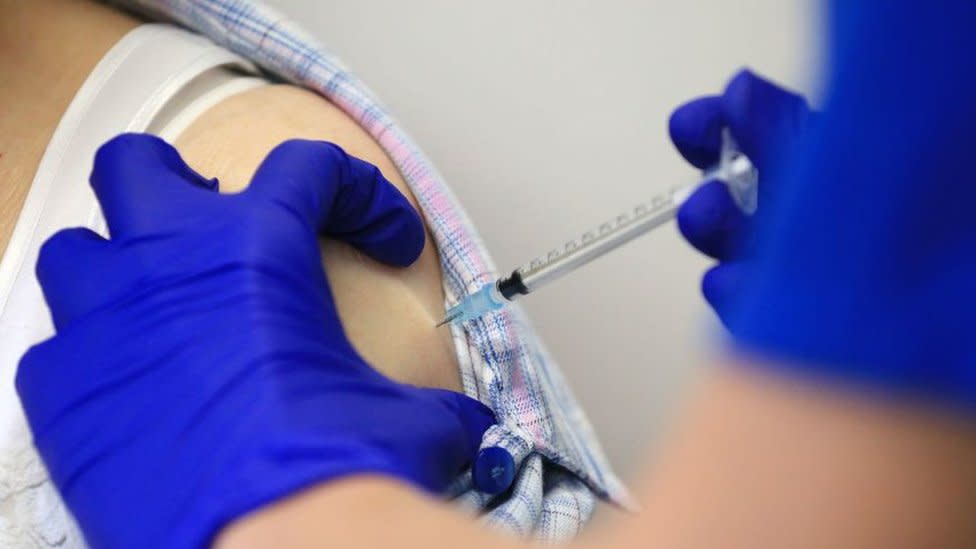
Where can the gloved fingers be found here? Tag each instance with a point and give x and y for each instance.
(759, 114)
(33, 381)
(342, 197)
(722, 284)
(142, 183)
(473, 417)
(712, 222)
(762, 116)
(71, 269)
(696, 130)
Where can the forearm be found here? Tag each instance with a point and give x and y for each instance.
(363, 511)
(755, 462)
(763, 461)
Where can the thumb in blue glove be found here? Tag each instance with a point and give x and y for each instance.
(200, 369)
(767, 123)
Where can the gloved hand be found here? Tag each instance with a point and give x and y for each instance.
(863, 269)
(200, 370)
(767, 122)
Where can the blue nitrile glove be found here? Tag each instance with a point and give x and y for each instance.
(766, 121)
(866, 263)
(200, 370)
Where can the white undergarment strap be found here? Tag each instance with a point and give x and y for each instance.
(157, 79)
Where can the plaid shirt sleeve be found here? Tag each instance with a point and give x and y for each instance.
(559, 466)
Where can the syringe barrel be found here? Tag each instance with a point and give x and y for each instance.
(599, 240)
(733, 168)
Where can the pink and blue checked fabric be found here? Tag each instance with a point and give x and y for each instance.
(560, 466)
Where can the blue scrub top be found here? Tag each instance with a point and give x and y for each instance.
(867, 260)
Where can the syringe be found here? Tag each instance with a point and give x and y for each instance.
(733, 168)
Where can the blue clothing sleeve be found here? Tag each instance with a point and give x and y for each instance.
(866, 257)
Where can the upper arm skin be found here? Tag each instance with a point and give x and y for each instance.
(388, 313)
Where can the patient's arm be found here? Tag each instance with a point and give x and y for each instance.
(48, 47)
(388, 313)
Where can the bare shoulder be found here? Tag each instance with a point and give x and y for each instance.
(388, 313)
(47, 49)
(232, 138)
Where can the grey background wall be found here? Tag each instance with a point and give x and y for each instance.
(547, 116)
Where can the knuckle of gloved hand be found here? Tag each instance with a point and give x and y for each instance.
(246, 241)
(52, 250)
(26, 377)
(259, 242)
(124, 144)
(309, 154)
(55, 251)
